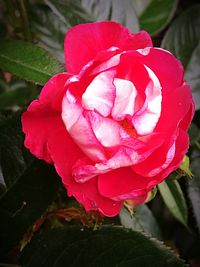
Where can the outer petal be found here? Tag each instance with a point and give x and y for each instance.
(123, 182)
(53, 91)
(83, 42)
(176, 110)
(43, 116)
(166, 67)
(64, 154)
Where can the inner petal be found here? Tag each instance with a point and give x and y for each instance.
(125, 99)
(100, 93)
(107, 131)
(145, 119)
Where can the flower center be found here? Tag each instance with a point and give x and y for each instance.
(128, 127)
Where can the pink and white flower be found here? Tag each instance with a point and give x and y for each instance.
(116, 124)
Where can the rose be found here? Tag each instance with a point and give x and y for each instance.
(116, 126)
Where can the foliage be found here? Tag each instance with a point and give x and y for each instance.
(39, 225)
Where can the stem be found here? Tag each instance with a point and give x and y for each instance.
(25, 20)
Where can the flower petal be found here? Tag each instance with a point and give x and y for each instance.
(37, 121)
(146, 118)
(122, 181)
(100, 93)
(53, 91)
(165, 66)
(79, 128)
(37, 124)
(125, 99)
(84, 41)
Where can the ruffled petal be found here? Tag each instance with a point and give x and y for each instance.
(130, 152)
(79, 128)
(53, 91)
(146, 118)
(37, 124)
(165, 66)
(43, 116)
(125, 99)
(107, 131)
(100, 93)
(64, 154)
(83, 42)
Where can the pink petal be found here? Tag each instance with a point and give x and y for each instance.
(79, 128)
(181, 147)
(37, 123)
(122, 182)
(165, 66)
(125, 99)
(132, 70)
(100, 93)
(175, 105)
(43, 116)
(64, 154)
(145, 119)
(106, 130)
(53, 91)
(122, 156)
(84, 41)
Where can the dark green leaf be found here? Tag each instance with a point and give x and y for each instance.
(174, 199)
(3, 30)
(183, 40)
(14, 158)
(154, 15)
(15, 94)
(108, 247)
(194, 189)
(70, 11)
(116, 10)
(29, 186)
(142, 220)
(194, 133)
(27, 61)
(25, 202)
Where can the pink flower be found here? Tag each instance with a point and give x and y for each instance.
(116, 124)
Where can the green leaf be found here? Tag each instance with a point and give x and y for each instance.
(194, 189)
(115, 10)
(12, 151)
(25, 202)
(70, 11)
(194, 133)
(27, 61)
(154, 15)
(183, 40)
(174, 199)
(28, 186)
(108, 247)
(142, 220)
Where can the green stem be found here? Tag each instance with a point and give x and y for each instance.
(25, 21)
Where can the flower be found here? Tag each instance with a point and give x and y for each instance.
(116, 124)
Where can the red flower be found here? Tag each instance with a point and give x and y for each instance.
(116, 126)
